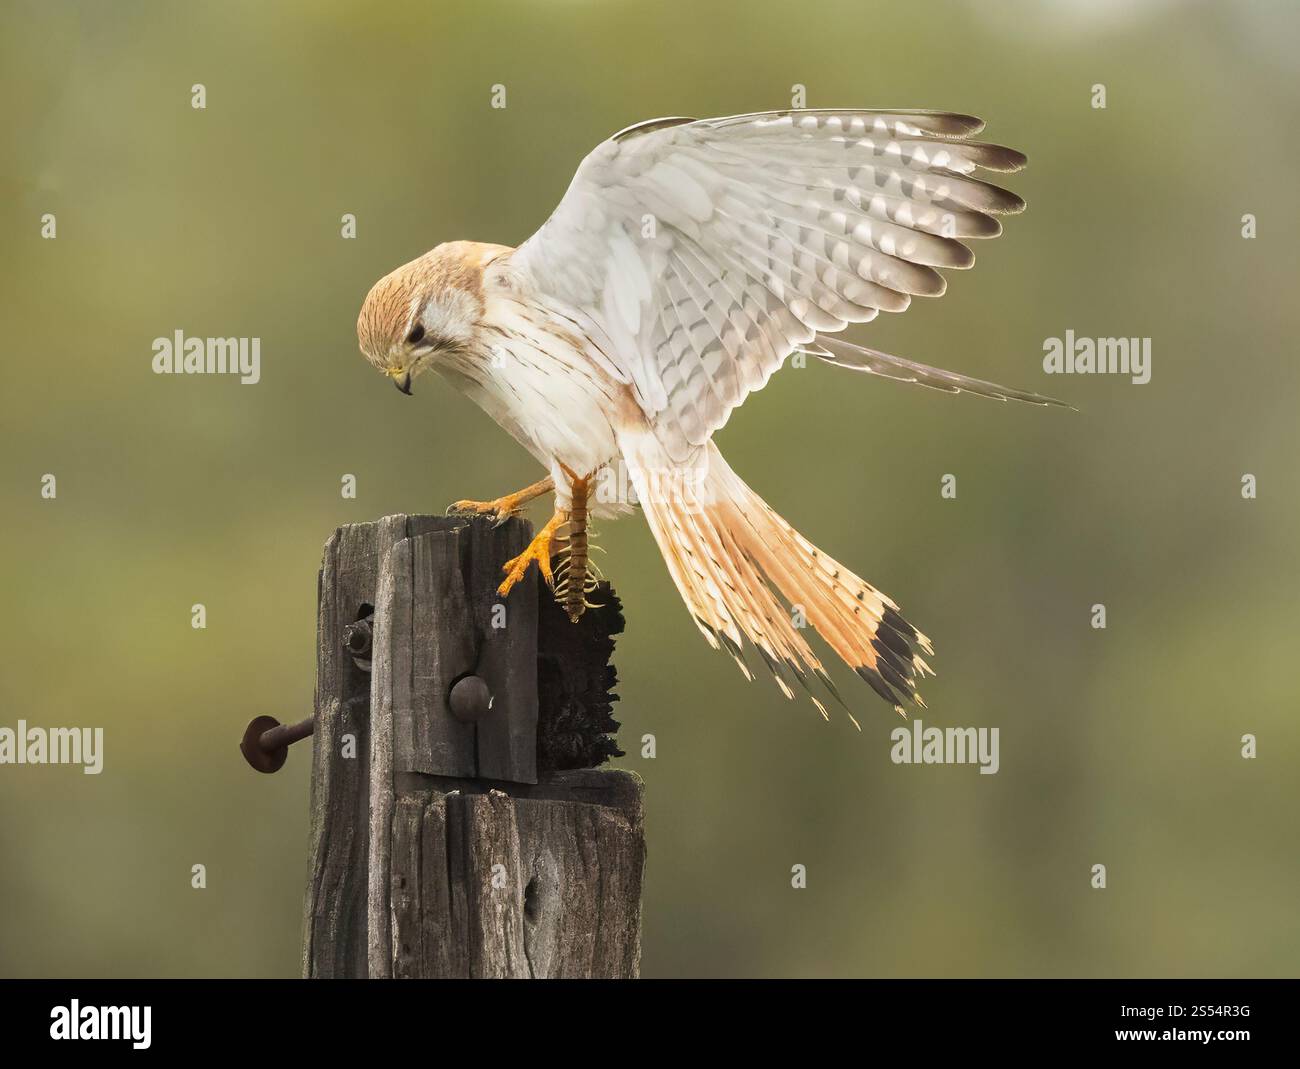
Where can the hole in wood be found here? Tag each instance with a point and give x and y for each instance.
(532, 902)
(358, 636)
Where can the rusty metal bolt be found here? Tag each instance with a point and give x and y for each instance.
(266, 741)
(358, 638)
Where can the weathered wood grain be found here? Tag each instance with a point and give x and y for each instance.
(439, 647)
(507, 747)
(490, 885)
(334, 936)
(390, 680)
(443, 619)
(435, 850)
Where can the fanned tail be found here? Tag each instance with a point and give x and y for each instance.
(745, 573)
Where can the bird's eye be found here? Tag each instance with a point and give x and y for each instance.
(417, 333)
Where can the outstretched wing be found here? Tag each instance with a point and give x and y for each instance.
(708, 250)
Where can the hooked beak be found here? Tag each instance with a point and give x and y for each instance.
(402, 380)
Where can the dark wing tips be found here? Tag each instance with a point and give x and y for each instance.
(979, 225)
(957, 256)
(999, 200)
(995, 157)
(949, 123)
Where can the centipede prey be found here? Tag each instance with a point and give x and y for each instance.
(575, 574)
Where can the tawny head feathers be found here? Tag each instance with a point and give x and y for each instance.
(432, 304)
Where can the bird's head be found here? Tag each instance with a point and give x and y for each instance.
(424, 311)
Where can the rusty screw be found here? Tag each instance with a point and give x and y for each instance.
(358, 637)
(266, 741)
(470, 699)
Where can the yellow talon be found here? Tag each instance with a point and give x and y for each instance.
(502, 508)
(539, 550)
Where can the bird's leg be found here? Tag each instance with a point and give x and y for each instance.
(539, 550)
(504, 507)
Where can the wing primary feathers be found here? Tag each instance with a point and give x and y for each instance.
(650, 126)
(768, 229)
(944, 124)
(874, 362)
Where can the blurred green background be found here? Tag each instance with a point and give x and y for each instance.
(1119, 747)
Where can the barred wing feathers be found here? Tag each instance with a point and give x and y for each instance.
(708, 250)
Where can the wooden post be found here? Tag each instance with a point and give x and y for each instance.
(441, 846)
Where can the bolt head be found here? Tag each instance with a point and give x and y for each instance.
(251, 746)
(470, 699)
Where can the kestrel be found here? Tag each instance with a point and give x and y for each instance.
(687, 261)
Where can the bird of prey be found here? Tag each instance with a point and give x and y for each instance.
(687, 261)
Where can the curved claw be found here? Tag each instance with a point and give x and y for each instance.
(502, 508)
(539, 550)
(498, 510)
